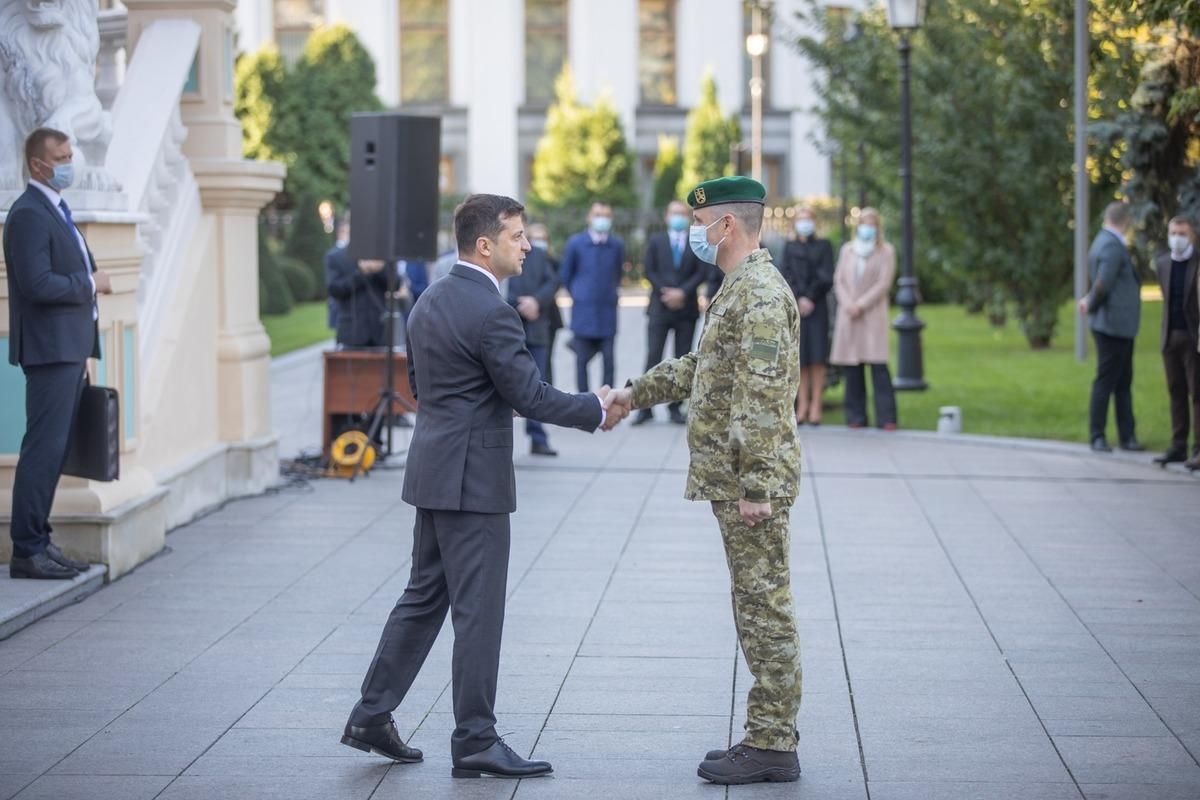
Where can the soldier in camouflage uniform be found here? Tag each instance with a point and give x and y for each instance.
(745, 460)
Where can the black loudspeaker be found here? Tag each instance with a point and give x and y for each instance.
(394, 170)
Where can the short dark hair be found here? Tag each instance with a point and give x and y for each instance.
(1182, 219)
(35, 143)
(1118, 213)
(483, 215)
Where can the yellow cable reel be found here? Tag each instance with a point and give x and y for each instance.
(351, 454)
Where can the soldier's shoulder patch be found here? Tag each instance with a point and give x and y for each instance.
(765, 349)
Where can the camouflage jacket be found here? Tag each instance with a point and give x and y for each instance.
(742, 382)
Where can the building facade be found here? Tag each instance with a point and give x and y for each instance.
(488, 67)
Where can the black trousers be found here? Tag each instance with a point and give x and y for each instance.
(1181, 362)
(1114, 378)
(856, 395)
(51, 401)
(586, 348)
(460, 564)
(683, 331)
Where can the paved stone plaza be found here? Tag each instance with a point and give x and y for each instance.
(978, 622)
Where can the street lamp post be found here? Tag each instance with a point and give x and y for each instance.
(906, 16)
(756, 47)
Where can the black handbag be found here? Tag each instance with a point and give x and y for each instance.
(95, 450)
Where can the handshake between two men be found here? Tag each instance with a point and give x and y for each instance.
(617, 404)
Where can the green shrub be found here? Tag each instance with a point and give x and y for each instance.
(300, 279)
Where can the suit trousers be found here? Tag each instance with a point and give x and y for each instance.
(460, 564)
(1181, 362)
(586, 348)
(1114, 378)
(684, 332)
(535, 430)
(856, 394)
(51, 401)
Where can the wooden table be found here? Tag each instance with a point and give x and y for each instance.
(353, 381)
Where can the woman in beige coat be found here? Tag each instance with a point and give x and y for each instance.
(861, 282)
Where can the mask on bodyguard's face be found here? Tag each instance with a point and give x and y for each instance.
(1178, 244)
(602, 224)
(698, 239)
(805, 227)
(62, 177)
(677, 222)
(540, 244)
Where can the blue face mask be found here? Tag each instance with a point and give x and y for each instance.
(602, 224)
(866, 233)
(540, 244)
(698, 239)
(677, 222)
(805, 227)
(63, 177)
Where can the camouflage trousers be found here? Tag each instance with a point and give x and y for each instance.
(766, 623)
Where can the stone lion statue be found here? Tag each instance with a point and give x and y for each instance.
(47, 68)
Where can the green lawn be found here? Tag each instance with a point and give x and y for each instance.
(1006, 389)
(300, 327)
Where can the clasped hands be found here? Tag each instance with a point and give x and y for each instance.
(618, 403)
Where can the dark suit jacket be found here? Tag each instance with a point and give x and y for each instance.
(1191, 303)
(468, 367)
(361, 299)
(50, 293)
(808, 268)
(592, 274)
(662, 274)
(1115, 300)
(538, 279)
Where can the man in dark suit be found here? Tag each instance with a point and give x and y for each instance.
(1113, 306)
(1178, 341)
(592, 263)
(539, 237)
(52, 286)
(675, 274)
(469, 368)
(531, 293)
(359, 288)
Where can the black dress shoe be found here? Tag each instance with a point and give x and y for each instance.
(499, 761)
(677, 417)
(1193, 463)
(744, 764)
(1174, 455)
(62, 560)
(542, 450)
(382, 740)
(41, 567)
(1132, 446)
(1100, 445)
(643, 416)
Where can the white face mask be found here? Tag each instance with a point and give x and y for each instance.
(1178, 244)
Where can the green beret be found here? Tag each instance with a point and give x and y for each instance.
(735, 189)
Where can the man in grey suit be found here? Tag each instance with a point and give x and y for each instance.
(1113, 306)
(469, 369)
(52, 286)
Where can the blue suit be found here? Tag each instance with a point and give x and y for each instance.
(52, 333)
(591, 273)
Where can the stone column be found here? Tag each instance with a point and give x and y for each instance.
(232, 191)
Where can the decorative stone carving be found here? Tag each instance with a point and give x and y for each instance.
(48, 54)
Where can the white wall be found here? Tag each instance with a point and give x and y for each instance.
(494, 71)
(709, 38)
(602, 49)
(377, 25)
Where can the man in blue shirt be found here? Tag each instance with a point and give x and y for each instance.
(592, 263)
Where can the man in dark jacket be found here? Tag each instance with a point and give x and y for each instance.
(359, 288)
(591, 270)
(1113, 306)
(52, 331)
(532, 294)
(470, 370)
(675, 275)
(1178, 341)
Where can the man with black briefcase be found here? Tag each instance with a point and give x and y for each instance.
(52, 287)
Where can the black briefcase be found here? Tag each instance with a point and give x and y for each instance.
(95, 451)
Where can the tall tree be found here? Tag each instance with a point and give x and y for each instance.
(260, 82)
(708, 141)
(668, 168)
(334, 77)
(583, 155)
